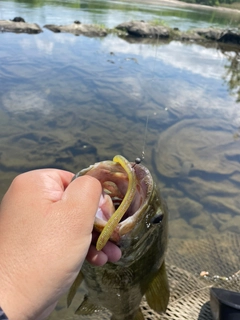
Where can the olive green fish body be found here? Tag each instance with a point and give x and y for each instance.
(142, 237)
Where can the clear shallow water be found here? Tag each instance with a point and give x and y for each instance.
(111, 13)
(68, 101)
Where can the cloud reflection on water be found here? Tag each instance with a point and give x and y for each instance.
(188, 79)
(194, 58)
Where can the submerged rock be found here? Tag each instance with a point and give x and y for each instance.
(78, 28)
(230, 36)
(18, 25)
(211, 183)
(210, 33)
(220, 35)
(144, 29)
(132, 31)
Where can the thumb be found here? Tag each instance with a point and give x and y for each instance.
(80, 200)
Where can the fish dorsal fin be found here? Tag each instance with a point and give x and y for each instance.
(157, 294)
(87, 307)
(74, 287)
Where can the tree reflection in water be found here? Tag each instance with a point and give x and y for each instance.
(232, 74)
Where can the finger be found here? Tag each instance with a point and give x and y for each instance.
(112, 251)
(54, 182)
(80, 200)
(66, 177)
(97, 258)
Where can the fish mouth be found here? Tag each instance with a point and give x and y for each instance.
(115, 184)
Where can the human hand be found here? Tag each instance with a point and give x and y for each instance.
(45, 233)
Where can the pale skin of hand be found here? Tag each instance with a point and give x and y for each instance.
(46, 227)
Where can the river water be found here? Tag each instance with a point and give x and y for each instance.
(68, 101)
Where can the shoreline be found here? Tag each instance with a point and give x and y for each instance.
(177, 3)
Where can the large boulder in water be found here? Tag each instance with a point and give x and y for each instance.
(230, 36)
(144, 29)
(77, 28)
(18, 25)
(213, 34)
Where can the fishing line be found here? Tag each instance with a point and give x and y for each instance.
(139, 160)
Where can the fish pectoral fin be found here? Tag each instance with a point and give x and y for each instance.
(157, 294)
(74, 287)
(87, 307)
(137, 316)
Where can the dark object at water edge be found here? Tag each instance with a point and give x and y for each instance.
(225, 304)
(18, 19)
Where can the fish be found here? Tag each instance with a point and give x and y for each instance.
(140, 229)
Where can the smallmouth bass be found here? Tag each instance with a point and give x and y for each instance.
(140, 228)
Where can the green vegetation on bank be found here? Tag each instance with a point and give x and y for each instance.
(158, 22)
(232, 3)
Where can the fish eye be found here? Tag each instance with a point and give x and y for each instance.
(157, 218)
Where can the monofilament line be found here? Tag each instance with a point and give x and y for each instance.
(139, 160)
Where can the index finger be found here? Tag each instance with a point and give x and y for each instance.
(66, 177)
